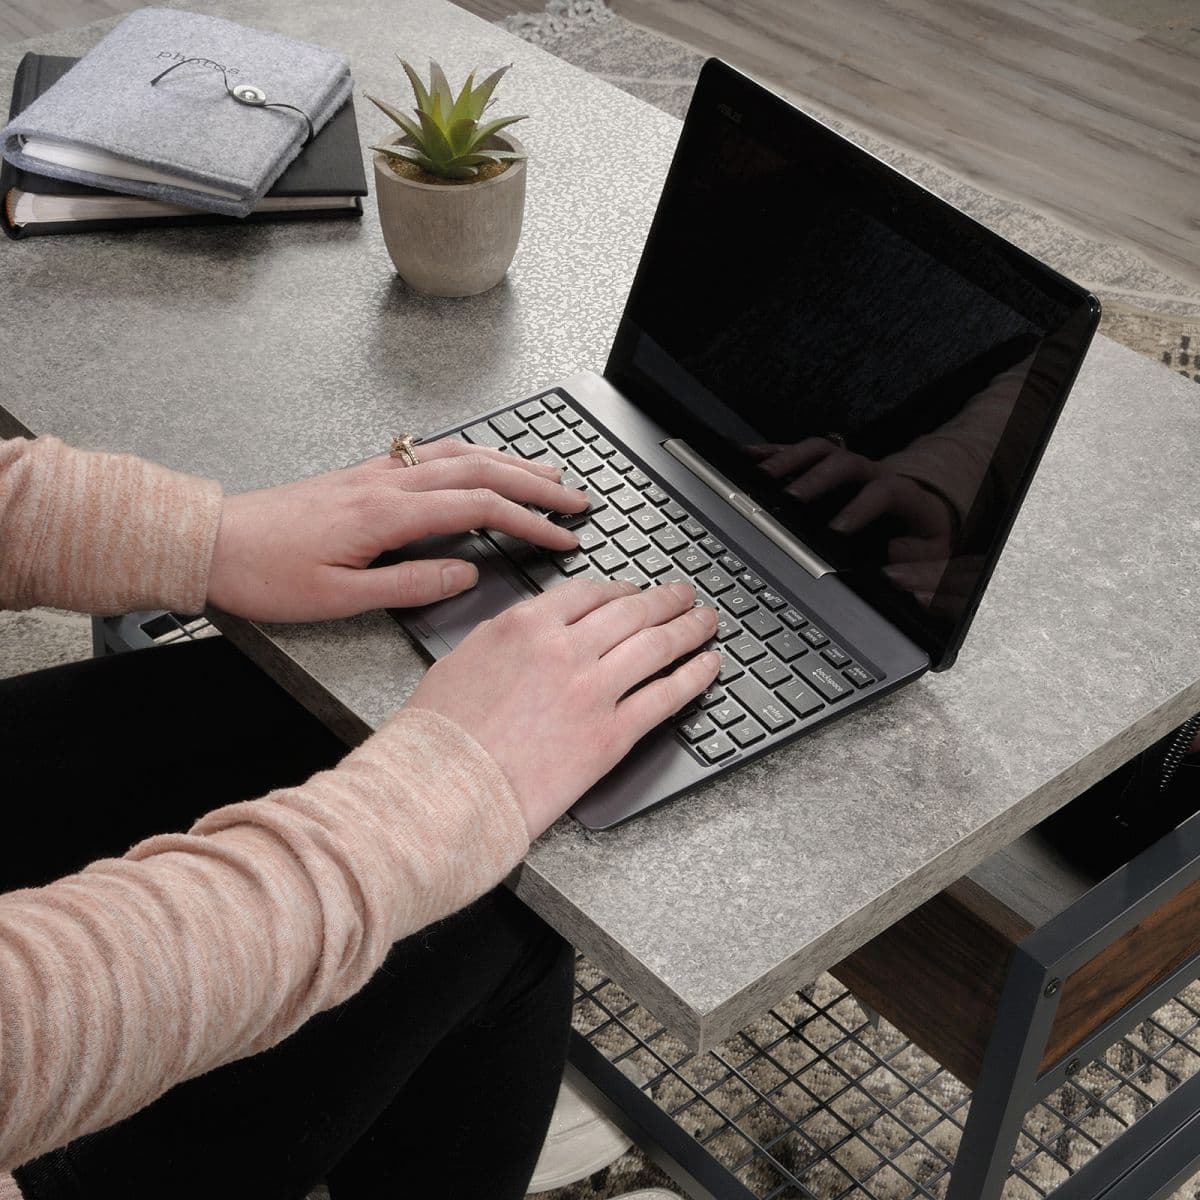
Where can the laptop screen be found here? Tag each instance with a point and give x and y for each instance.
(875, 369)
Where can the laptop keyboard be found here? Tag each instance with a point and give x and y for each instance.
(780, 670)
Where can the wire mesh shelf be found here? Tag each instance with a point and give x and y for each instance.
(822, 1099)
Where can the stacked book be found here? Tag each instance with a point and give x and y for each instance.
(177, 118)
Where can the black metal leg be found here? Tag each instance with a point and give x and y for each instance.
(662, 1141)
(1006, 1088)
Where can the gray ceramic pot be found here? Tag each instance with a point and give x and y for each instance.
(452, 239)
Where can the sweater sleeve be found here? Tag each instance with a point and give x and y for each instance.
(196, 949)
(102, 533)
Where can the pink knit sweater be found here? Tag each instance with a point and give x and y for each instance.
(196, 949)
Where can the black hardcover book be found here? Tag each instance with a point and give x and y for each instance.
(325, 180)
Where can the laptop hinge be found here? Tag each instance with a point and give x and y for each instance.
(744, 506)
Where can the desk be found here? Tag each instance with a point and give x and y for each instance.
(261, 354)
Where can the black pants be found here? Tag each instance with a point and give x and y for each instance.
(437, 1079)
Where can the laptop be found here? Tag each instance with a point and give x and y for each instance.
(824, 404)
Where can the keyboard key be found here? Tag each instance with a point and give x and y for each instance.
(691, 560)
(604, 448)
(858, 675)
(566, 444)
(632, 575)
(484, 435)
(609, 520)
(738, 602)
(835, 655)
(656, 495)
(792, 619)
(589, 537)
(745, 649)
(649, 519)
(546, 426)
(762, 704)
(762, 624)
(639, 478)
(726, 714)
(674, 511)
(711, 546)
(553, 401)
(530, 410)
(626, 500)
(605, 481)
(772, 600)
(814, 636)
(788, 646)
(746, 734)
(569, 416)
(694, 529)
(609, 559)
(508, 425)
(825, 679)
(653, 562)
(586, 463)
(803, 699)
(732, 564)
(716, 748)
(621, 463)
(714, 581)
(570, 520)
(714, 695)
(572, 562)
(529, 446)
(751, 582)
(728, 627)
(668, 539)
(586, 432)
(771, 671)
(631, 542)
(730, 669)
(696, 728)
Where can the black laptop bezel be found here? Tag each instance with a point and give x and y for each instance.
(724, 90)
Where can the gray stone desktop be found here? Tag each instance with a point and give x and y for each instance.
(256, 355)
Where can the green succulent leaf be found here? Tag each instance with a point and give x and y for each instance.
(483, 93)
(408, 154)
(435, 142)
(462, 106)
(485, 131)
(404, 122)
(441, 97)
(418, 86)
(462, 135)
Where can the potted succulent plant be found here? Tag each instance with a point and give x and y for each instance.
(450, 187)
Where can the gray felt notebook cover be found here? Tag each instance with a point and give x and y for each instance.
(187, 124)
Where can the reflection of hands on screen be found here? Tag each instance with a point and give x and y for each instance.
(817, 466)
(942, 587)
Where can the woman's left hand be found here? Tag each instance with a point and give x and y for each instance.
(300, 552)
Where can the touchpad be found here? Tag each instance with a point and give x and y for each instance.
(454, 618)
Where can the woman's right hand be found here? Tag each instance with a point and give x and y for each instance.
(545, 687)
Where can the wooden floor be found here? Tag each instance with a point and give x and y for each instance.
(1088, 110)
(1093, 119)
